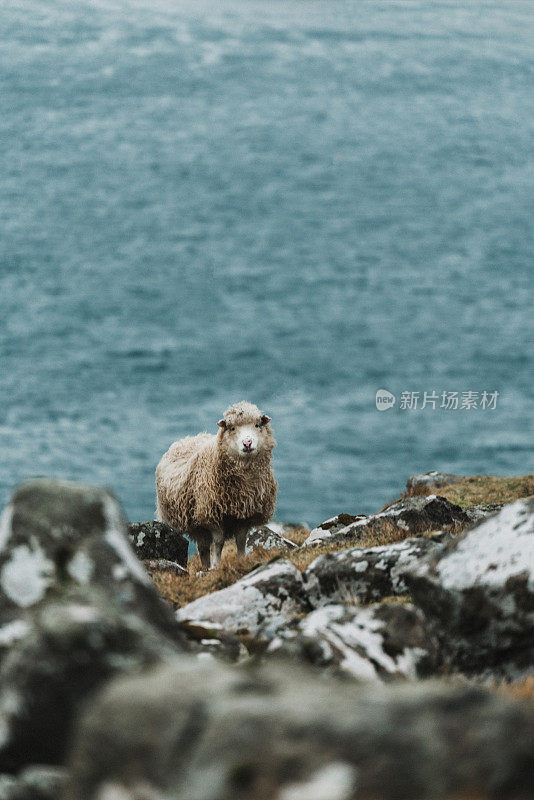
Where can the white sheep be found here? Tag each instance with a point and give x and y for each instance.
(217, 487)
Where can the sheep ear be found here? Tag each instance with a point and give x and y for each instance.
(265, 419)
(222, 423)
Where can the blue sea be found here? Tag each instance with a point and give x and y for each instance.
(296, 203)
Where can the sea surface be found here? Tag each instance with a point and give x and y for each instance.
(296, 203)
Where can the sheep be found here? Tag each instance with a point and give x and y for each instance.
(215, 487)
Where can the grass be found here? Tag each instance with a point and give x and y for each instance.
(179, 591)
(481, 489)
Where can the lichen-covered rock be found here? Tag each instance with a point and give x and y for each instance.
(265, 538)
(433, 480)
(68, 648)
(38, 782)
(481, 511)
(363, 574)
(204, 732)
(56, 534)
(411, 515)
(331, 526)
(379, 642)
(265, 599)
(156, 540)
(479, 591)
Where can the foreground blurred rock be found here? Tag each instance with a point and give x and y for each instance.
(410, 515)
(77, 607)
(478, 591)
(284, 733)
(56, 534)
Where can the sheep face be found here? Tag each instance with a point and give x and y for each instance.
(245, 431)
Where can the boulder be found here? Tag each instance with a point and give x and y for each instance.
(56, 534)
(265, 538)
(198, 731)
(481, 511)
(479, 592)
(379, 642)
(68, 648)
(76, 608)
(265, 599)
(38, 782)
(433, 480)
(364, 574)
(154, 540)
(331, 526)
(410, 515)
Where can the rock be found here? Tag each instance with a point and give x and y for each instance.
(265, 599)
(265, 538)
(381, 642)
(56, 534)
(76, 608)
(209, 732)
(433, 480)
(476, 513)
(34, 783)
(156, 540)
(479, 592)
(332, 526)
(363, 574)
(68, 648)
(411, 515)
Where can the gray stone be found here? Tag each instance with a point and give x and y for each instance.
(38, 782)
(204, 732)
(479, 592)
(411, 515)
(433, 480)
(363, 574)
(156, 540)
(265, 599)
(265, 538)
(379, 642)
(483, 510)
(69, 648)
(56, 534)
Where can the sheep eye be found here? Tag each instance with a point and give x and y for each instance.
(258, 425)
(232, 429)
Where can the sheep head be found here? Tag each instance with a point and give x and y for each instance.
(245, 432)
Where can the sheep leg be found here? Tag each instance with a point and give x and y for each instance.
(204, 553)
(241, 542)
(217, 543)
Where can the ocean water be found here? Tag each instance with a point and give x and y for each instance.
(296, 203)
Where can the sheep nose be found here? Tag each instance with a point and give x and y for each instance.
(247, 444)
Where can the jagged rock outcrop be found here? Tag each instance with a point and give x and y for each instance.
(479, 592)
(379, 642)
(265, 599)
(411, 515)
(204, 732)
(153, 540)
(364, 574)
